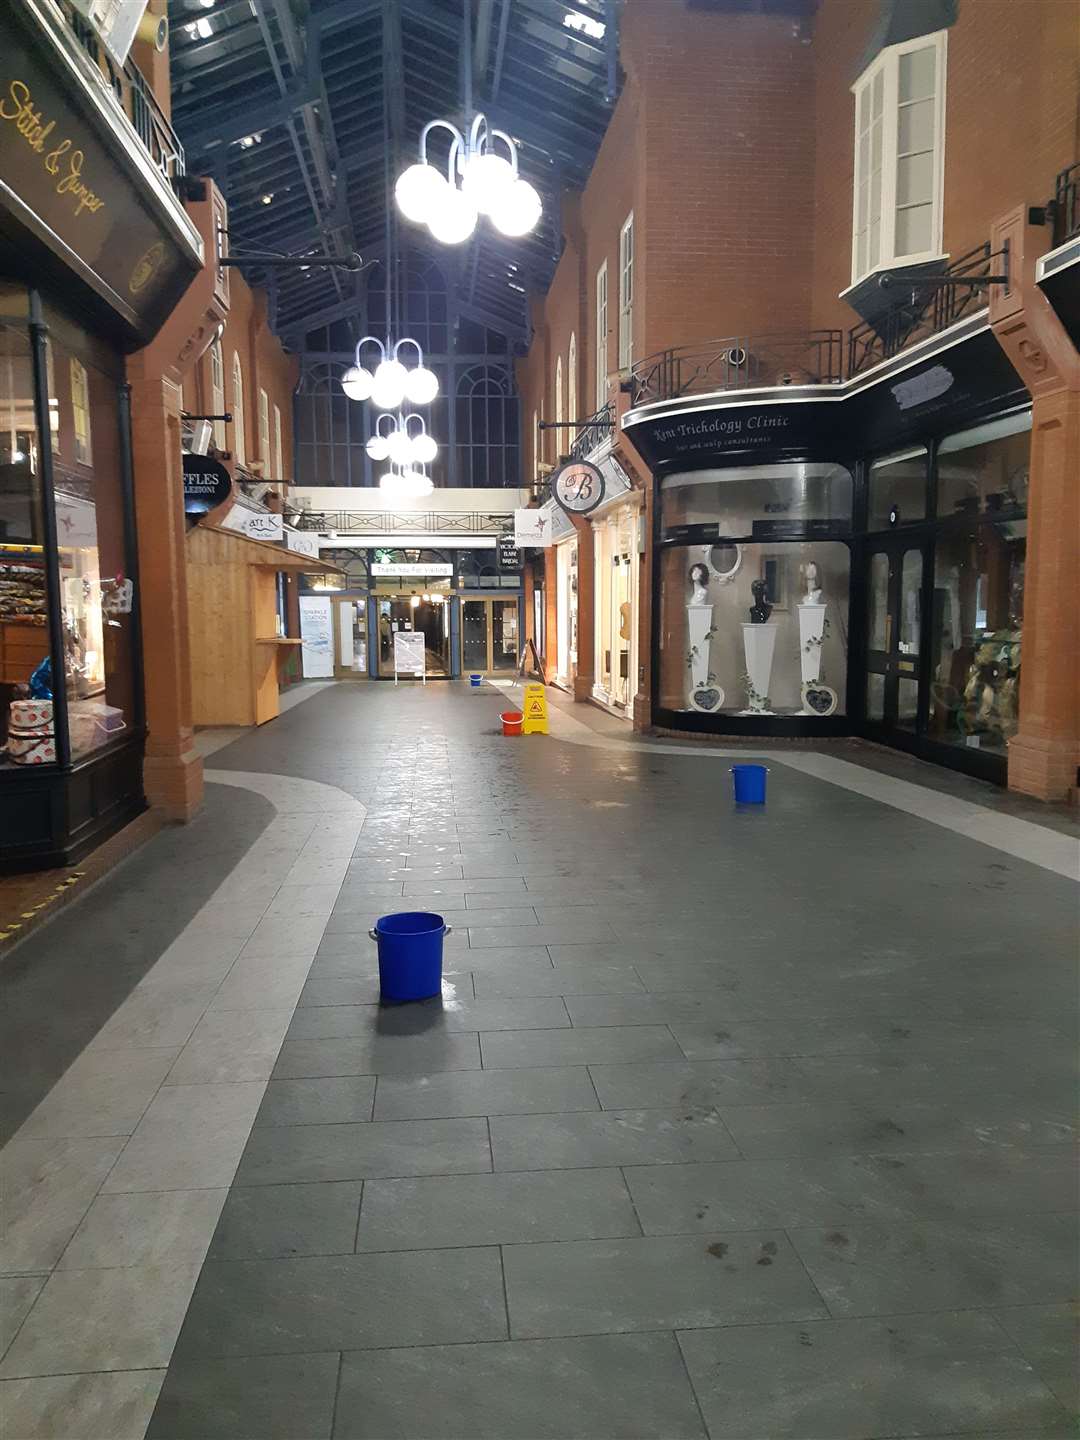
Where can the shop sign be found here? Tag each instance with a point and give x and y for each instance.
(532, 527)
(68, 188)
(255, 524)
(534, 711)
(413, 571)
(578, 487)
(301, 542)
(409, 653)
(206, 484)
(509, 554)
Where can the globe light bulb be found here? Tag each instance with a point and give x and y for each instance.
(419, 192)
(390, 376)
(424, 449)
(357, 382)
(517, 210)
(378, 447)
(414, 484)
(455, 219)
(421, 385)
(400, 447)
(487, 177)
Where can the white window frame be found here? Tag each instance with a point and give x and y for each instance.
(217, 392)
(572, 401)
(239, 440)
(560, 408)
(80, 408)
(279, 452)
(264, 429)
(601, 289)
(536, 444)
(887, 65)
(626, 293)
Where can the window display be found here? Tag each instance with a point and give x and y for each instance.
(757, 500)
(898, 489)
(984, 471)
(615, 606)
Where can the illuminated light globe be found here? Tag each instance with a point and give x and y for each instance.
(400, 447)
(378, 447)
(414, 484)
(357, 383)
(419, 192)
(424, 449)
(421, 385)
(389, 379)
(518, 209)
(486, 179)
(455, 220)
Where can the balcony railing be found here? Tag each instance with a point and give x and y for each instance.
(740, 361)
(1067, 205)
(359, 523)
(926, 311)
(134, 95)
(596, 429)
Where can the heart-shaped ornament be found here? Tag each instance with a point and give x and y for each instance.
(821, 699)
(707, 698)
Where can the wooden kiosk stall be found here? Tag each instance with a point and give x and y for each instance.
(237, 653)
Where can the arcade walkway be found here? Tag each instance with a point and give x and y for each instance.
(751, 1125)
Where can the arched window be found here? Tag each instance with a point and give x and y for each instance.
(572, 401)
(560, 411)
(487, 428)
(239, 445)
(217, 392)
(419, 304)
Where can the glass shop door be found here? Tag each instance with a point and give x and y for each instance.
(894, 634)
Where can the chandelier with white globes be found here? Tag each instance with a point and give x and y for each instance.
(408, 451)
(480, 180)
(390, 383)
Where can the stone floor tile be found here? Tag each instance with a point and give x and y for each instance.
(265, 1221)
(326, 1022)
(288, 1154)
(848, 1379)
(46, 1187)
(346, 1302)
(588, 1287)
(697, 1087)
(289, 937)
(598, 1008)
(447, 1210)
(361, 990)
(484, 1092)
(378, 1055)
(518, 981)
(566, 932)
(103, 1093)
(231, 1045)
(259, 982)
(284, 1397)
(510, 1049)
(116, 1404)
(327, 1101)
(17, 1295)
(171, 1227)
(88, 1320)
(931, 1265)
(191, 1137)
(315, 898)
(613, 1137)
(1048, 1337)
(155, 1017)
(579, 1389)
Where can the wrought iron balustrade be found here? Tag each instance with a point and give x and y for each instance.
(596, 429)
(385, 522)
(926, 310)
(1067, 204)
(134, 96)
(737, 362)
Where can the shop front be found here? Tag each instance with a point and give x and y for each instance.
(94, 252)
(847, 559)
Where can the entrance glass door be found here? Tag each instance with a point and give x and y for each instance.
(350, 662)
(894, 592)
(489, 636)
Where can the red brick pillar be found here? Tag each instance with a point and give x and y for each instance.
(1045, 752)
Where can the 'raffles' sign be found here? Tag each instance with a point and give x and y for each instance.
(66, 183)
(206, 484)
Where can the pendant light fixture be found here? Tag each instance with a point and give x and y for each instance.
(389, 383)
(400, 444)
(481, 179)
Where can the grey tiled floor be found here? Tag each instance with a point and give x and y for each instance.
(750, 1125)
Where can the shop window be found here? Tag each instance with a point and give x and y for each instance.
(899, 157)
(626, 293)
(80, 412)
(898, 489)
(572, 400)
(601, 342)
(713, 644)
(279, 456)
(264, 430)
(239, 445)
(217, 392)
(755, 501)
(985, 471)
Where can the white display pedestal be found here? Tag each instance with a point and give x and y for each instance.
(759, 644)
(698, 625)
(811, 634)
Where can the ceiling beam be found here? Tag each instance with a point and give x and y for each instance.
(500, 50)
(227, 124)
(485, 12)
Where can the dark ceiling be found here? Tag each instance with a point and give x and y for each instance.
(331, 88)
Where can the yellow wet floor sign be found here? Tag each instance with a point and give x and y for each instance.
(534, 709)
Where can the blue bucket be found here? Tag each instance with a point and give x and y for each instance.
(749, 784)
(410, 955)
(474, 681)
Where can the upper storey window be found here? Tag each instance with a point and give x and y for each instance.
(899, 156)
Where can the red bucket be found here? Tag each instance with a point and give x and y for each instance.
(511, 722)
